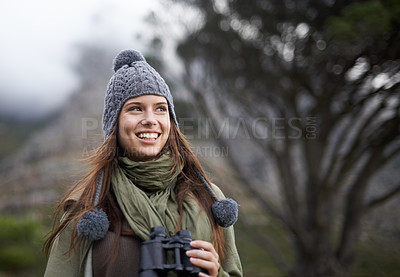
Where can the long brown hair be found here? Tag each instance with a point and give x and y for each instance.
(80, 198)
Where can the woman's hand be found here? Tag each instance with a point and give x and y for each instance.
(204, 257)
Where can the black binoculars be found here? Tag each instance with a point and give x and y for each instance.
(160, 254)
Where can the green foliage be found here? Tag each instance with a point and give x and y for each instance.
(16, 257)
(373, 260)
(20, 247)
(359, 21)
(14, 230)
(393, 6)
(256, 260)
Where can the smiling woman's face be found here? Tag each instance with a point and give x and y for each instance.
(143, 127)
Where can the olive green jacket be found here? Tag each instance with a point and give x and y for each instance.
(60, 264)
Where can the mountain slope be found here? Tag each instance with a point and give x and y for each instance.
(48, 162)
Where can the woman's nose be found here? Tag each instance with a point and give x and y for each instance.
(149, 119)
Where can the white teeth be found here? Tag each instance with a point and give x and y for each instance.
(151, 136)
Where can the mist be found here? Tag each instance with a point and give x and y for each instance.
(38, 47)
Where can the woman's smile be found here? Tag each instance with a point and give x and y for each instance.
(147, 136)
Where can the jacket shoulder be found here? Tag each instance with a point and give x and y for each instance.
(71, 199)
(218, 191)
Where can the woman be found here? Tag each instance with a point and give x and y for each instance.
(143, 175)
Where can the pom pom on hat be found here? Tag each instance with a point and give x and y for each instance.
(127, 57)
(93, 225)
(225, 212)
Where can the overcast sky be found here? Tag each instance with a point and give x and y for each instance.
(37, 43)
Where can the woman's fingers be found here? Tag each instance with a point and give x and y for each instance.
(211, 267)
(204, 256)
(201, 244)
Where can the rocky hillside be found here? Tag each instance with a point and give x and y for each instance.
(48, 162)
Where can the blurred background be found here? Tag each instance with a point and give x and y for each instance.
(293, 108)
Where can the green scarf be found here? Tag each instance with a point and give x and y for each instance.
(146, 197)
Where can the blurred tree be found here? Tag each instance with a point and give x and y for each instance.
(20, 242)
(313, 86)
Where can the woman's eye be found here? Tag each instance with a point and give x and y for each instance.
(161, 109)
(134, 109)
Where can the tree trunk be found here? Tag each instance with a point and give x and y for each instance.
(317, 264)
(318, 257)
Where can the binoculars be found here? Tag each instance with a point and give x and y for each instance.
(160, 254)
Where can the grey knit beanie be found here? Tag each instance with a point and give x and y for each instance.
(134, 77)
